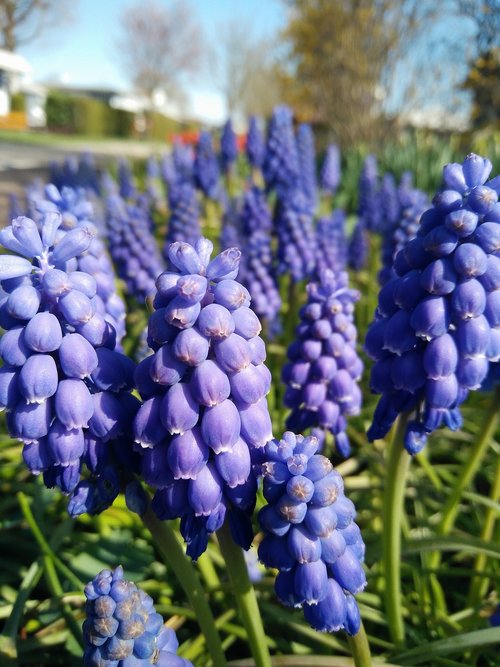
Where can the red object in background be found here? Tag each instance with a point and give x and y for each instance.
(241, 142)
(187, 138)
(190, 138)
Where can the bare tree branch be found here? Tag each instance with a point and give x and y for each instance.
(23, 21)
(158, 45)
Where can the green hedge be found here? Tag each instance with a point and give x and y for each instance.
(18, 102)
(86, 116)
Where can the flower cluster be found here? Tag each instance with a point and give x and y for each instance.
(65, 388)
(324, 366)
(369, 208)
(122, 626)
(281, 162)
(359, 246)
(76, 173)
(132, 246)
(307, 163)
(183, 159)
(255, 147)
(310, 535)
(205, 166)
(183, 223)
(126, 181)
(228, 147)
(204, 392)
(412, 203)
(296, 238)
(331, 242)
(256, 271)
(437, 324)
(77, 210)
(329, 178)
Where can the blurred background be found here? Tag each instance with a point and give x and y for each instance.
(360, 71)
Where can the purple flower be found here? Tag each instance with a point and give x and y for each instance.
(330, 170)
(310, 535)
(296, 238)
(133, 246)
(431, 340)
(307, 163)
(281, 162)
(205, 166)
(183, 223)
(331, 242)
(122, 625)
(323, 368)
(255, 147)
(54, 380)
(228, 147)
(205, 410)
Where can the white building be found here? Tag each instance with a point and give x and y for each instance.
(15, 77)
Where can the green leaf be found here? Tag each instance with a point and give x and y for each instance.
(457, 644)
(451, 543)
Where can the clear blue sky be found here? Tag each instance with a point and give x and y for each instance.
(82, 50)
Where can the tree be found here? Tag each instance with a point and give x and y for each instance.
(244, 69)
(482, 81)
(345, 60)
(23, 21)
(159, 45)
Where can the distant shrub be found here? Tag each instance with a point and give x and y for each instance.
(18, 102)
(59, 110)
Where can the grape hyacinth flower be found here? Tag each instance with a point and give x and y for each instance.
(230, 234)
(256, 266)
(81, 173)
(205, 166)
(183, 159)
(127, 187)
(122, 626)
(412, 203)
(330, 170)
(307, 163)
(228, 147)
(281, 161)
(331, 242)
(204, 390)
(184, 222)
(255, 147)
(133, 246)
(168, 171)
(77, 210)
(359, 246)
(310, 535)
(437, 323)
(369, 208)
(324, 367)
(296, 238)
(64, 386)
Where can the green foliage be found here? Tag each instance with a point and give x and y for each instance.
(59, 112)
(482, 82)
(18, 102)
(120, 123)
(443, 628)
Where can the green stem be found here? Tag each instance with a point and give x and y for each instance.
(470, 466)
(360, 648)
(479, 585)
(245, 597)
(51, 577)
(45, 547)
(467, 473)
(397, 463)
(172, 553)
